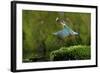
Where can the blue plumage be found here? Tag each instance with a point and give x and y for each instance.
(66, 31)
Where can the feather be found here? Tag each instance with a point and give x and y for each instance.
(66, 31)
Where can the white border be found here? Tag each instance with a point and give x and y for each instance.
(38, 65)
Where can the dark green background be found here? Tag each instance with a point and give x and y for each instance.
(38, 27)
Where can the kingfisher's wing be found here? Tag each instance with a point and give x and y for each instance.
(62, 33)
(66, 31)
(70, 30)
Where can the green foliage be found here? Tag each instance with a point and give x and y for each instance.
(53, 43)
(71, 53)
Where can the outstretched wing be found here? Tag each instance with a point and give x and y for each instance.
(62, 33)
(70, 30)
(66, 31)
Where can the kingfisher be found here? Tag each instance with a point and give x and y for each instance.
(66, 31)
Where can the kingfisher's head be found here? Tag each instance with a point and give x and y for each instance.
(58, 20)
(61, 21)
